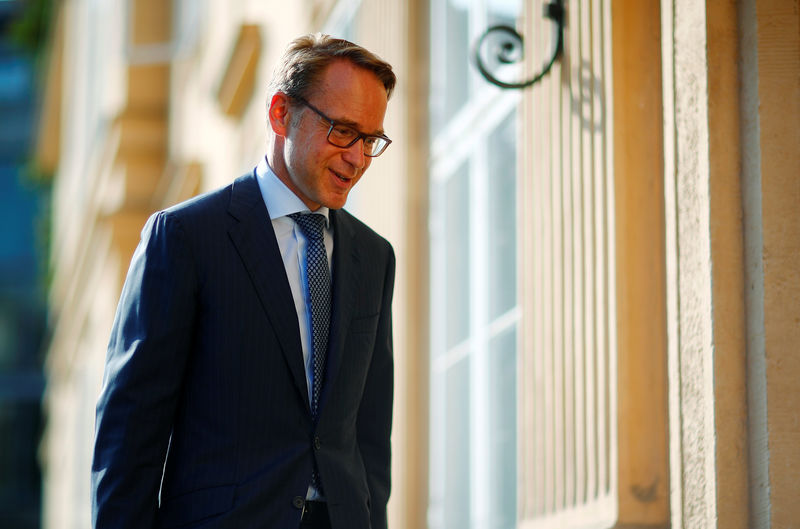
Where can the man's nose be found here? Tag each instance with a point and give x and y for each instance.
(354, 154)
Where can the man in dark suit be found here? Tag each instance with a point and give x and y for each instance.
(249, 376)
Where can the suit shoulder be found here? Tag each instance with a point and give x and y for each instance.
(216, 199)
(209, 209)
(199, 216)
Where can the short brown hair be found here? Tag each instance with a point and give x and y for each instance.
(306, 57)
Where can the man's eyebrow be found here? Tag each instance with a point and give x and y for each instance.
(353, 125)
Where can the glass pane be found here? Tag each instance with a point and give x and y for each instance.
(450, 44)
(350, 29)
(502, 218)
(504, 12)
(438, 430)
(456, 228)
(503, 430)
(457, 447)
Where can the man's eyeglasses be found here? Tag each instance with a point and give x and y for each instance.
(344, 136)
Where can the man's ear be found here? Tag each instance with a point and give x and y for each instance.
(279, 113)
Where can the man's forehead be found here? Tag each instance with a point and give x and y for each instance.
(344, 75)
(352, 96)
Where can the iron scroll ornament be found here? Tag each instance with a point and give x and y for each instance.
(510, 49)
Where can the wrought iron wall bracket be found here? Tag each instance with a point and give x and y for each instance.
(509, 48)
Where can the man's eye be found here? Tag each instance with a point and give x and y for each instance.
(370, 141)
(344, 132)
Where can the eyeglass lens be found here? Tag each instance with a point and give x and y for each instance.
(343, 137)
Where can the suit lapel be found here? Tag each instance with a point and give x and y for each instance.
(345, 275)
(255, 241)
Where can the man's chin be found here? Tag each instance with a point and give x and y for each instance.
(335, 202)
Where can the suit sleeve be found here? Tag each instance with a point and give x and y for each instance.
(146, 359)
(375, 410)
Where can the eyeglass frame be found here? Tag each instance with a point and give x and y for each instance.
(359, 135)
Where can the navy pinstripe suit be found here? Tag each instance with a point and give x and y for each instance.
(205, 384)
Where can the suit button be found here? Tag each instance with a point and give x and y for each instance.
(317, 443)
(298, 502)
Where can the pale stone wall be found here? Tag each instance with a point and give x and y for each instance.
(731, 129)
(771, 177)
(86, 277)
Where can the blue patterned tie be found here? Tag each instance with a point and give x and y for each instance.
(319, 289)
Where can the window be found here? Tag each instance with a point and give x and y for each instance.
(474, 305)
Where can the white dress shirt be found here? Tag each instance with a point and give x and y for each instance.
(280, 202)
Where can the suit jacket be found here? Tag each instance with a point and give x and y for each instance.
(204, 419)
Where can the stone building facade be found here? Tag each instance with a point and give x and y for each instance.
(597, 299)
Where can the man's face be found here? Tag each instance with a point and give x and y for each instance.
(319, 173)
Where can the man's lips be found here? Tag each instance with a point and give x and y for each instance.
(341, 177)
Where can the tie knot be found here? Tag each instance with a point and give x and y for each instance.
(311, 224)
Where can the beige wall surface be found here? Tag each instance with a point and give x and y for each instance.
(111, 140)
(772, 221)
(731, 170)
(644, 477)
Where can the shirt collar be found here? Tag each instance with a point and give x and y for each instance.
(279, 199)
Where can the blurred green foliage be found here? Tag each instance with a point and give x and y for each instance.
(31, 28)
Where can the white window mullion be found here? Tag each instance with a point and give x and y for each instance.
(480, 426)
(479, 384)
(438, 390)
